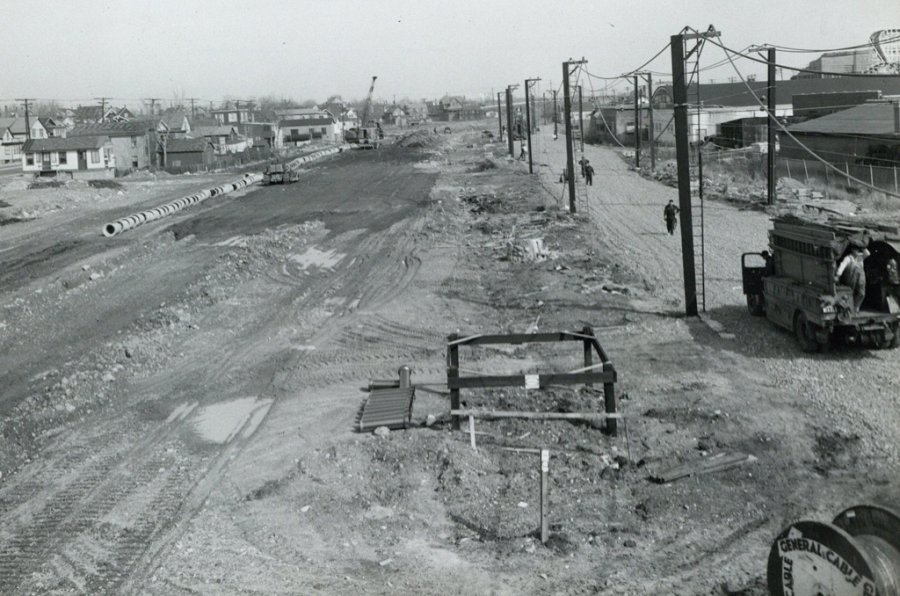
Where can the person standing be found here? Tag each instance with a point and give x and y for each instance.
(670, 214)
(852, 272)
(589, 174)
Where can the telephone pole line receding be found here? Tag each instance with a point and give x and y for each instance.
(555, 116)
(652, 131)
(528, 83)
(25, 100)
(637, 126)
(153, 101)
(567, 112)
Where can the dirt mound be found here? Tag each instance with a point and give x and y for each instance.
(417, 139)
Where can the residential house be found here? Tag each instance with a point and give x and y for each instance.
(237, 112)
(260, 134)
(396, 115)
(445, 109)
(867, 134)
(39, 128)
(51, 126)
(417, 111)
(82, 157)
(15, 134)
(174, 124)
(189, 155)
(224, 137)
(92, 114)
(134, 143)
(296, 131)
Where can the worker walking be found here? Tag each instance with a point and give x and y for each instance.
(852, 272)
(589, 174)
(670, 213)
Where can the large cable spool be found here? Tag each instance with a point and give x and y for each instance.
(857, 554)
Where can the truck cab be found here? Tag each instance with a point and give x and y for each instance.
(795, 283)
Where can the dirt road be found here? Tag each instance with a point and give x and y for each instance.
(174, 317)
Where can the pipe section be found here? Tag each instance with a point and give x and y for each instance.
(137, 219)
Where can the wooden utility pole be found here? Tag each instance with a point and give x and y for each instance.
(652, 130)
(509, 118)
(682, 150)
(637, 125)
(102, 101)
(555, 117)
(528, 83)
(499, 116)
(153, 101)
(193, 108)
(581, 119)
(770, 95)
(567, 113)
(25, 100)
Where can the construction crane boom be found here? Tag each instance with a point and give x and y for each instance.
(367, 107)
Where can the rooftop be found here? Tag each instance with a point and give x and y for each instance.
(113, 129)
(65, 143)
(186, 145)
(872, 118)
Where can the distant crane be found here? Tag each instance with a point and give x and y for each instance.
(366, 135)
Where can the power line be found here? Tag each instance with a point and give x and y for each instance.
(809, 51)
(784, 129)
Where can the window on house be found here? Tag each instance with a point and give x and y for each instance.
(323, 130)
(29, 159)
(95, 156)
(232, 117)
(134, 163)
(134, 141)
(63, 158)
(54, 157)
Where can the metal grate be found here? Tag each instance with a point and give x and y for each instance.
(387, 407)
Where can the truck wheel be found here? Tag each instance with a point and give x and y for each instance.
(756, 305)
(806, 334)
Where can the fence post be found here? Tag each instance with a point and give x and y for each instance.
(871, 175)
(895, 179)
(847, 169)
(788, 162)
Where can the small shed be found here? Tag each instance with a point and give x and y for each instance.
(189, 155)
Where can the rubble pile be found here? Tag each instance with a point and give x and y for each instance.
(417, 139)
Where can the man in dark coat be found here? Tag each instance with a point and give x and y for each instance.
(670, 214)
(589, 174)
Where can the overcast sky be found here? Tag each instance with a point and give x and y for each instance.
(75, 50)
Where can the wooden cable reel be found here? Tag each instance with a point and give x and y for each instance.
(857, 554)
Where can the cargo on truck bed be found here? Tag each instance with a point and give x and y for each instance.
(800, 284)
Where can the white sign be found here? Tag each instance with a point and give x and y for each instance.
(532, 381)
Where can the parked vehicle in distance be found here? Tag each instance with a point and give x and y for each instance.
(797, 286)
(276, 173)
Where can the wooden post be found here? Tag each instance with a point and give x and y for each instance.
(847, 169)
(609, 402)
(788, 162)
(871, 175)
(545, 496)
(453, 373)
(895, 179)
(588, 348)
(806, 172)
(472, 433)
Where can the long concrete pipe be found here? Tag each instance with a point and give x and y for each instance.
(137, 219)
(133, 221)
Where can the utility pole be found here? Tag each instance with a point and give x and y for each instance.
(581, 118)
(27, 121)
(499, 116)
(652, 130)
(509, 120)
(102, 101)
(555, 116)
(770, 95)
(528, 118)
(637, 126)
(193, 109)
(567, 112)
(682, 150)
(152, 101)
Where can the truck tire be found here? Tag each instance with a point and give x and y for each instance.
(756, 304)
(806, 333)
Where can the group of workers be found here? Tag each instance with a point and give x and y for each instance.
(851, 272)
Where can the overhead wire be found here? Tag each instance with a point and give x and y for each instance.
(824, 51)
(799, 143)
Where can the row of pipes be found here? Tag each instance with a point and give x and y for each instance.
(133, 221)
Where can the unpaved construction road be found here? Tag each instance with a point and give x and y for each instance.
(178, 401)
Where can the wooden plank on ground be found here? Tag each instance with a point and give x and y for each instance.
(714, 463)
